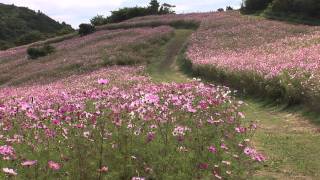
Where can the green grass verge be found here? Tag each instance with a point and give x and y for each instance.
(178, 24)
(290, 141)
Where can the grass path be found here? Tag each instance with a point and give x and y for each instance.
(290, 141)
(164, 68)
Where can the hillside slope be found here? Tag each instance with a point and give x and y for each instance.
(226, 45)
(20, 25)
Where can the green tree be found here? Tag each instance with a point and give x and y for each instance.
(127, 13)
(250, 6)
(154, 6)
(229, 8)
(166, 9)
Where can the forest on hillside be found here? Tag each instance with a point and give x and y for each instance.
(284, 9)
(20, 25)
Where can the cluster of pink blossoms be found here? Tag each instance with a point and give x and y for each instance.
(108, 106)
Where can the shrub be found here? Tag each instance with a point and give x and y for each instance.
(127, 13)
(85, 29)
(36, 52)
(220, 10)
(99, 20)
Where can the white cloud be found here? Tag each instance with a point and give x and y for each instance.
(77, 11)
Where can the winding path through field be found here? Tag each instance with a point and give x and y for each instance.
(290, 141)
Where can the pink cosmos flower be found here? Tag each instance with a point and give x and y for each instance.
(6, 150)
(152, 98)
(191, 109)
(254, 154)
(53, 165)
(104, 169)
(25, 106)
(241, 115)
(248, 151)
(29, 163)
(56, 121)
(137, 178)
(212, 149)
(8, 171)
(103, 81)
(223, 146)
(240, 129)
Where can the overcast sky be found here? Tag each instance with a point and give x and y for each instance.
(75, 12)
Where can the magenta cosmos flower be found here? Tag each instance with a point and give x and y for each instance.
(212, 149)
(6, 150)
(53, 165)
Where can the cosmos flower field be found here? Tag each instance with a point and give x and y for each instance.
(114, 124)
(271, 58)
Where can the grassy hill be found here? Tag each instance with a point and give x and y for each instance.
(20, 25)
(60, 103)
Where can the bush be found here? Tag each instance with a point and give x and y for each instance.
(220, 10)
(36, 52)
(127, 13)
(99, 20)
(85, 29)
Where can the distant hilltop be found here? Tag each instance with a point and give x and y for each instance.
(21, 25)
